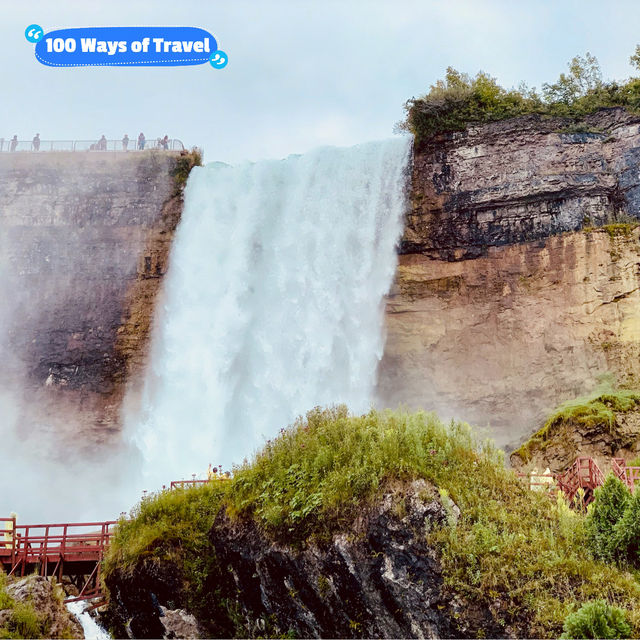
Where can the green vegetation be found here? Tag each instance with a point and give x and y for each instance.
(620, 229)
(184, 163)
(24, 621)
(597, 620)
(610, 502)
(460, 99)
(613, 524)
(509, 546)
(597, 410)
(317, 476)
(163, 522)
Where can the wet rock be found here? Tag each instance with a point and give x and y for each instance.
(77, 230)
(179, 624)
(518, 180)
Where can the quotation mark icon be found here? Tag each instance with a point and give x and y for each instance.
(218, 60)
(33, 32)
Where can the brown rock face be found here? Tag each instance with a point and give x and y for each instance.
(503, 306)
(84, 239)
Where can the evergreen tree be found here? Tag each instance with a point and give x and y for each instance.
(606, 510)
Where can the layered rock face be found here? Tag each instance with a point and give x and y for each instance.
(84, 240)
(521, 179)
(506, 300)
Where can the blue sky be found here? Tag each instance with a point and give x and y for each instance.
(301, 73)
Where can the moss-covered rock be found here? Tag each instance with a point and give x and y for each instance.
(602, 426)
(382, 525)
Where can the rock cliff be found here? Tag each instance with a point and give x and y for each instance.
(508, 299)
(378, 579)
(84, 239)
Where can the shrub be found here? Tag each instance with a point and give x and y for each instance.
(597, 620)
(183, 165)
(459, 99)
(6, 601)
(626, 533)
(607, 509)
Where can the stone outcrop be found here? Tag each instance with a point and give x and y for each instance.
(84, 239)
(558, 446)
(379, 579)
(507, 301)
(53, 619)
(178, 623)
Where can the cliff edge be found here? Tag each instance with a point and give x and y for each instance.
(84, 239)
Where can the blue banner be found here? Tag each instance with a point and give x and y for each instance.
(127, 46)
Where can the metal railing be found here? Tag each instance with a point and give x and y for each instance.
(187, 484)
(7, 145)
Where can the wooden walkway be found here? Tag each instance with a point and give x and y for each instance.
(74, 550)
(71, 549)
(583, 474)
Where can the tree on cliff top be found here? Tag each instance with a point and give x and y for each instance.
(460, 99)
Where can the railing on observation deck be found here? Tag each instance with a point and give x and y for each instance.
(8, 146)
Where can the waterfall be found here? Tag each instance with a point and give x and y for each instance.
(273, 302)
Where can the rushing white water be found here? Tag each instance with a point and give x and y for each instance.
(273, 302)
(92, 630)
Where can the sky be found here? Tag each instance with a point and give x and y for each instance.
(301, 73)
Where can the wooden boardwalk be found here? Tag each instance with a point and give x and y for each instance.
(583, 474)
(71, 549)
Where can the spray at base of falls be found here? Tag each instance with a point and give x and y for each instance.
(273, 302)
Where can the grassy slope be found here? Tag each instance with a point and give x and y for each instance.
(511, 550)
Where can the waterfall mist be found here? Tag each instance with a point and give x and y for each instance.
(273, 303)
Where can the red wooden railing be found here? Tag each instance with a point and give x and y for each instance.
(73, 549)
(583, 474)
(629, 475)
